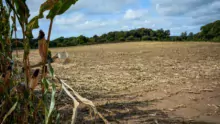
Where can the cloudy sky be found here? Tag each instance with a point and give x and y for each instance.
(90, 17)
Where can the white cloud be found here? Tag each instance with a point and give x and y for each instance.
(87, 25)
(135, 14)
(171, 7)
(102, 6)
(192, 13)
(153, 25)
(209, 9)
(102, 24)
(125, 27)
(70, 19)
(147, 21)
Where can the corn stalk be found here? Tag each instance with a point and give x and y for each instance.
(20, 101)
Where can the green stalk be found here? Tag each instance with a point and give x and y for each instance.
(25, 57)
(15, 30)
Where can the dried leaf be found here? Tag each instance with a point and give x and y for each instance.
(75, 103)
(9, 112)
(84, 100)
(34, 79)
(42, 47)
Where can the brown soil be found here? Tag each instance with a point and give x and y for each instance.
(156, 82)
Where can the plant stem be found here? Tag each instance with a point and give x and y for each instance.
(49, 31)
(25, 57)
(15, 30)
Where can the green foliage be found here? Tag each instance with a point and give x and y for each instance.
(130, 38)
(60, 7)
(112, 37)
(216, 39)
(33, 24)
(121, 39)
(22, 11)
(211, 31)
(183, 35)
(47, 5)
(146, 38)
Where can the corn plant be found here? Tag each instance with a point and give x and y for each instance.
(20, 101)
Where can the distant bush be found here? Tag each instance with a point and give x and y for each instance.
(144, 38)
(130, 38)
(122, 39)
(216, 39)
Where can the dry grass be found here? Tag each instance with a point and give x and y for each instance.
(133, 82)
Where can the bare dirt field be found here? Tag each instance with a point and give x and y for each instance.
(144, 82)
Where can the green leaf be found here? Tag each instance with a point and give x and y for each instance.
(49, 111)
(46, 6)
(26, 48)
(52, 102)
(57, 119)
(51, 71)
(9, 112)
(46, 85)
(33, 24)
(45, 97)
(22, 10)
(60, 7)
(15, 10)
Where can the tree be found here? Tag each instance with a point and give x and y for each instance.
(121, 39)
(82, 39)
(190, 36)
(110, 36)
(167, 33)
(210, 31)
(95, 37)
(146, 38)
(130, 38)
(160, 34)
(183, 35)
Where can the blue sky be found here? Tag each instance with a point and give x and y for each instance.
(90, 17)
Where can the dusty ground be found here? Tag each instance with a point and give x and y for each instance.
(145, 82)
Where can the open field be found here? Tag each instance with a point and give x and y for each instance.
(145, 82)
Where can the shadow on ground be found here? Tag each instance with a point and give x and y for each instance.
(125, 112)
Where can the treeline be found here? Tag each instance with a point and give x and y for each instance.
(142, 34)
(209, 32)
